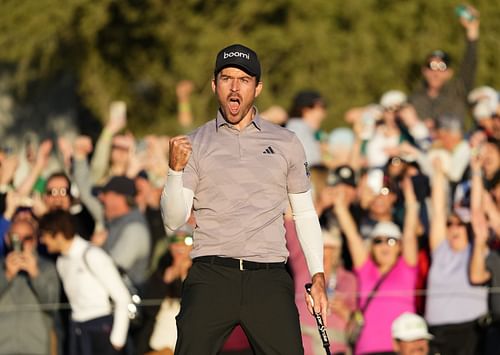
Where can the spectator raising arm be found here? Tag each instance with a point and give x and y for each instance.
(478, 271)
(355, 243)
(42, 159)
(409, 240)
(116, 122)
(439, 207)
(81, 175)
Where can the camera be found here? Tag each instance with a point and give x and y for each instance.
(17, 244)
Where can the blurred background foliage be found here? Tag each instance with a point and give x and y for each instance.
(137, 50)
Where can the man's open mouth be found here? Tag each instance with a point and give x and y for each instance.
(234, 105)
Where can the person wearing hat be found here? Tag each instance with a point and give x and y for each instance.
(410, 335)
(485, 103)
(386, 270)
(238, 172)
(307, 112)
(440, 92)
(128, 240)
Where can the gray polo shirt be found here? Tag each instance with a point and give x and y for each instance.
(240, 182)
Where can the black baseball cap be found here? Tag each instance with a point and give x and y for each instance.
(343, 174)
(438, 53)
(119, 184)
(238, 56)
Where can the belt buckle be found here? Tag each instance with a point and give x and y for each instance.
(241, 265)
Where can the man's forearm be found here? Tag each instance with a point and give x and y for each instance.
(308, 230)
(176, 201)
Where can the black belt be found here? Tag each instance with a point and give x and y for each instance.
(238, 263)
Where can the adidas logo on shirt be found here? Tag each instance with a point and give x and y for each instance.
(269, 150)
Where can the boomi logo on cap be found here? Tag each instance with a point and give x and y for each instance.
(236, 54)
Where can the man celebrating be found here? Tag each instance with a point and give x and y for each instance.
(237, 172)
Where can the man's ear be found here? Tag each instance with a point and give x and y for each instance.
(258, 88)
(214, 85)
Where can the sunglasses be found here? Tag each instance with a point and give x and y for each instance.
(436, 65)
(57, 191)
(389, 241)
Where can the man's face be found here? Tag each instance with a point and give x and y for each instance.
(236, 92)
(491, 159)
(114, 204)
(25, 232)
(51, 242)
(415, 347)
(57, 194)
(436, 73)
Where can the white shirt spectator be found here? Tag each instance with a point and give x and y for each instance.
(89, 291)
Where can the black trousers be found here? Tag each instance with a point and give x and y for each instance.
(216, 298)
(455, 339)
(92, 337)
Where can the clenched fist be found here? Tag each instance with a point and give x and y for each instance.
(180, 151)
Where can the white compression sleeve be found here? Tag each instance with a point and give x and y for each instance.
(176, 201)
(308, 230)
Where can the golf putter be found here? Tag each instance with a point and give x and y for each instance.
(319, 322)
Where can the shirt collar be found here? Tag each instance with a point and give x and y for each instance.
(77, 247)
(220, 121)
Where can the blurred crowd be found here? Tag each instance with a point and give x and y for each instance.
(408, 195)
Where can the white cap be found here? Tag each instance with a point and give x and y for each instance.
(386, 229)
(341, 137)
(410, 327)
(392, 98)
(485, 101)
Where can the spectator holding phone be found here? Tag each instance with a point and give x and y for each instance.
(28, 284)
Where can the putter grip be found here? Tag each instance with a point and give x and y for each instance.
(319, 321)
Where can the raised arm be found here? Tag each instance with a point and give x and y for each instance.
(410, 246)
(176, 201)
(116, 122)
(42, 159)
(357, 249)
(183, 90)
(478, 272)
(469, 62)
(81, 175)
(439, 206)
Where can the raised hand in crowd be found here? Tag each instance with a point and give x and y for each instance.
(82, 147)
(117, 117)
(12, 202)
(66, 150)
(184, 90)
(41, 161)
(471, 25)
(8, 169)
(157, 162)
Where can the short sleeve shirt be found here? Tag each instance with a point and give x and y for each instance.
(241, 181)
